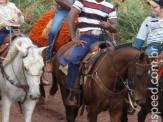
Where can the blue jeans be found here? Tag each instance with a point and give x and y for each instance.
(154, 49)
(59, 16)
(3, 34)
(76, 56)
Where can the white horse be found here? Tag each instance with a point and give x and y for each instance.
(20, 79)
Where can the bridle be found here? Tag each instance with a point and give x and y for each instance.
(18, 84)
(133, 72)
(131, 82)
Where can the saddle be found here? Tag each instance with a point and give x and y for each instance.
(5, 47)
(95, 51)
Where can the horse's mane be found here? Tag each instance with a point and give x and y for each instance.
(123, 46)
(13, 49)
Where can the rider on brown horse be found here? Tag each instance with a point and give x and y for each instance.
(90, 32)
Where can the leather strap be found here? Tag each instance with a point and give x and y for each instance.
(105, 89)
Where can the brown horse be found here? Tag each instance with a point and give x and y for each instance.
(154, 98)
(148, 108)
(104, 87)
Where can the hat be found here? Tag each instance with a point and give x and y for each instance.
(155, 2)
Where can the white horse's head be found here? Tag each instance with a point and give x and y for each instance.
(32, 65)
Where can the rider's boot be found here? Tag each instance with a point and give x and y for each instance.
(74, 96)
(49, 66)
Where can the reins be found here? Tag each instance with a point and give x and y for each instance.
(96, 78)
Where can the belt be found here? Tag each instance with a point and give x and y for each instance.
(93, 32)
(156, 43)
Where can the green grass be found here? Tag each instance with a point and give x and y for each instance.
(131, 14)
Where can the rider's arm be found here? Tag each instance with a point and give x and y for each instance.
(64, 4)
(142, 35)
(138, 43)
(110, 25)
(19, 18)
(70, 20)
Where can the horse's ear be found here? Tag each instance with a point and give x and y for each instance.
(41, 49)
(142, 54)
(22, 50)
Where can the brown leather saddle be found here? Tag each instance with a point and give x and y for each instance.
(89, 59)
(5, 46)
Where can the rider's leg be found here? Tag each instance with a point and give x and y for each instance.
(3, 34)
(60, 15)
(73, 64)
(152, 50)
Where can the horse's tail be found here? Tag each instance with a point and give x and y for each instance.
(54, 87)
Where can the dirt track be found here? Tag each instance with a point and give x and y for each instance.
(53, 111)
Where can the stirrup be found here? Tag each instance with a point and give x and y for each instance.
(49, 66)
(73, 98)
(44, 82)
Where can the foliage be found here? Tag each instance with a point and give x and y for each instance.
(131, 14)
(32, 10)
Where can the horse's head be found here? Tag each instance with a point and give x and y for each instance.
(32, 68)
(140, 77)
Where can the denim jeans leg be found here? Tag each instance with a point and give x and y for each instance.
(110, 41)
(3, 34)
(60, 15)
(77, 55)
(152, 50)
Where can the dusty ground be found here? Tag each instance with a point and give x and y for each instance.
(53, 111)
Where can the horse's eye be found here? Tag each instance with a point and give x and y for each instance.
(26, 69)
(43, 69)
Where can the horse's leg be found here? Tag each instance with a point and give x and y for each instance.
(29, 106)
(124, 117)
(54, 87)
(42, 91)
(142, 115)
(161, 116)
(6, 104)
(115, 114)
(93, 113)
(71, 114)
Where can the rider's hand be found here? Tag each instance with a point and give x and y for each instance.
(105, 24)
(79, 42)
(19, 13)
(6, 24)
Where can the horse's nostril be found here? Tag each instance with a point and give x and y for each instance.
(30, 96)
(35, 97)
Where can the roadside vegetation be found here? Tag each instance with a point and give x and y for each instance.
(131, 14)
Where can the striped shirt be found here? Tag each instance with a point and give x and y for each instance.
(151, 30)
(92, 13)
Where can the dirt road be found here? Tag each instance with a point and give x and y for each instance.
(53, 111)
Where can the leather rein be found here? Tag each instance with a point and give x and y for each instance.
(96, 78)
(18, 84)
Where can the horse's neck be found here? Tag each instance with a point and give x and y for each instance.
(15, 69)
(126, 54)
